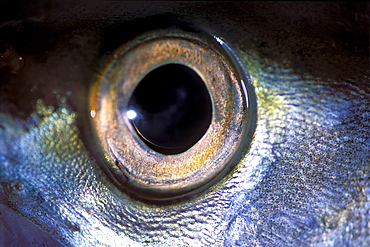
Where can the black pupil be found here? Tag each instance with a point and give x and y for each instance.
(171, 109)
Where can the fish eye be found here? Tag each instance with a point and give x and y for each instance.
(172, 112)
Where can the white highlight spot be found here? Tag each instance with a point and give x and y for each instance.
(219, 40)
(92, 113)
(131, 114)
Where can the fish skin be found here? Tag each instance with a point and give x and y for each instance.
(304, 182)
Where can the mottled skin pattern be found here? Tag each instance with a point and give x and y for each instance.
(304, 182)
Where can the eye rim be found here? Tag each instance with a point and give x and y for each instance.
(165, 190)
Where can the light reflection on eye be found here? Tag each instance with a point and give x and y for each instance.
(92, 113)
(131, 114)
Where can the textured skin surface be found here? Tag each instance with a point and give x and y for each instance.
(304, 182)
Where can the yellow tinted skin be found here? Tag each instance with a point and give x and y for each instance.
(304, 180)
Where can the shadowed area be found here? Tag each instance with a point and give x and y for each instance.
(16, 230)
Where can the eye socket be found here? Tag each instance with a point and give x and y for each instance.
(172, 113)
